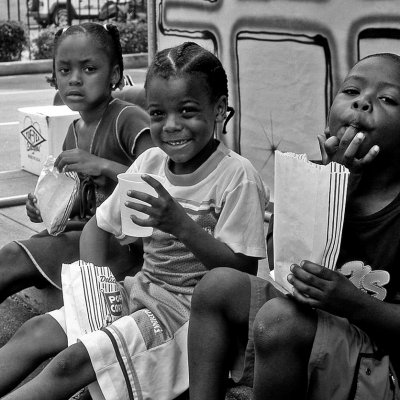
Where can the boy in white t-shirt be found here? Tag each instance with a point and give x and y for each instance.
(209, 212)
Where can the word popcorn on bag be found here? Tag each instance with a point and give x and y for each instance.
(92, 298)
(56, 193)
(309, 210)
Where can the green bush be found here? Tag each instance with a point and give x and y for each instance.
(133, 37)
(42, 46)
(13, 39)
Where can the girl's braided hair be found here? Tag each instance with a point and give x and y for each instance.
(106, 36)
(189, 59)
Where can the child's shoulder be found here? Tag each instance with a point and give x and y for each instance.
(238, 163)
(151, 161)
(121, 106)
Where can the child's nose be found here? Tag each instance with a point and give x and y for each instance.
(362, 104)
(172, 123)
(75, 78)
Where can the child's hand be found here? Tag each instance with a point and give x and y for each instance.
(165, 213)
(80, 161)
(343, 150)
(322, 288)
(31, 210)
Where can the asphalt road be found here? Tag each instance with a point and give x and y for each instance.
(26, 91)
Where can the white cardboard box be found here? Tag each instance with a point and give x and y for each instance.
(42, 133)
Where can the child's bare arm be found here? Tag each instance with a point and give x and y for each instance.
(168, 215)
(331, 291)
(343, 150)
(86, 163)
(93, 243)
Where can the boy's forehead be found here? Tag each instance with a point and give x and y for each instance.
(378, 70)
(377, 67)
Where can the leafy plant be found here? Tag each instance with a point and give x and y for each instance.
(133, 37)
(13, 39)
(42, 46)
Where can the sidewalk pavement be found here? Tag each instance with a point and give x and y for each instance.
(14, 224)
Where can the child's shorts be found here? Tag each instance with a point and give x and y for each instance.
(142, 355)
(344, 362)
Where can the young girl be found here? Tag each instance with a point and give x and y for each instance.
(106, 139)
(209, 210)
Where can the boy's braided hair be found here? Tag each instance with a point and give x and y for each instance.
(106, 36)
(189, 59)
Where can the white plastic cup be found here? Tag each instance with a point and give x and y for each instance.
(128, 182)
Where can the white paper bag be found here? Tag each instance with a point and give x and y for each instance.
(92, 298)
(56, 193)
(309, 209)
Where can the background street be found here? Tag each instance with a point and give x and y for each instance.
(27, 91)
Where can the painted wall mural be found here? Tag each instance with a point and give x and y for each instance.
(284, 59)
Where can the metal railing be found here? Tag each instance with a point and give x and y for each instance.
(39, 14)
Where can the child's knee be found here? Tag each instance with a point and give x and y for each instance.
(216, 289)
(10, 255)
(71, 362)
(41, 334)
(281, 322)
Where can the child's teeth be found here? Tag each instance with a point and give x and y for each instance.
(178, 142)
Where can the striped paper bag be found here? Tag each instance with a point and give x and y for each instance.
(92, 298)
(309, 207)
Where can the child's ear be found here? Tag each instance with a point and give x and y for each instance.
(220, 109)
(115, 76)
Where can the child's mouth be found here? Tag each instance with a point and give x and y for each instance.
(177, 142)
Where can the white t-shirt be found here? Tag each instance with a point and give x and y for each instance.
(225, 196)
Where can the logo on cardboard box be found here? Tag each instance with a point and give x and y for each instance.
(32, 136)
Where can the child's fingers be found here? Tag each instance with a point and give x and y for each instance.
(321, 141)
(141, 221)
(32, 198)
(157, 185)
(370, 156)
(331, 146)
(143, 208)
(304, 299)
(352, 148)
(315, 269)
(348, 135)
(308, 278)
(147, 198)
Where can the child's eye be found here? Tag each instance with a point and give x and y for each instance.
(389, 100)
(89, 69)
(188, 112)
(63, 70)
(155, 114)
(351, 91)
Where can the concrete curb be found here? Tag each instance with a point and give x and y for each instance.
(139, 60)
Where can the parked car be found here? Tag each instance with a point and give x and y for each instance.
(47, 12)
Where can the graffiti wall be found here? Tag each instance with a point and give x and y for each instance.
(284, 59)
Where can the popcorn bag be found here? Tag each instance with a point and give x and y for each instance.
(308, 213)
(92, 298)
(56, 193)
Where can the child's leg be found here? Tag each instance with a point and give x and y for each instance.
(37, 340)
(17, 271)
(68, 372)
(219, 315)
(283, 337)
